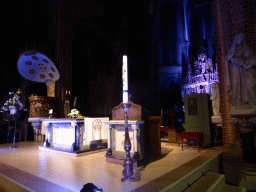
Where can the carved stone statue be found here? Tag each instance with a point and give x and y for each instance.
(241, 72)
(215, 97)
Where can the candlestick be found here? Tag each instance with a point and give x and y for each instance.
(125, 79)
(50, 113)
(128, 171)
(128, 162)
(74, 104)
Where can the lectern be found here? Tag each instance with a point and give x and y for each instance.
(144, 137)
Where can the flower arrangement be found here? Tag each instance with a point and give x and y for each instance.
(13, 104)
(11, 109)
(74, 113)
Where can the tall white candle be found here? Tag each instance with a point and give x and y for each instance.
(74, 104)
(125, 79)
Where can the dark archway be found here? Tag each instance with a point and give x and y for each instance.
(169, 33)
(171, 99)
(95, 67)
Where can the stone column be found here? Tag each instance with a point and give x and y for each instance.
(47, 135)
(136, 155)
(246, 125)
(231, 17)
(74, 145)
(109, 151)
(36, 127)
(36, 124)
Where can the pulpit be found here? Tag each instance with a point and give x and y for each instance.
(144, 137)
(38, 110)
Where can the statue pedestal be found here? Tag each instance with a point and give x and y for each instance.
(243, 110)
(243, 117)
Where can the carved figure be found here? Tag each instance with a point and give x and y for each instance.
(241, 72)
(215, 97)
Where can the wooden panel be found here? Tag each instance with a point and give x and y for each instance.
(135, 112)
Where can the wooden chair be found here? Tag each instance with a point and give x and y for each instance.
(192, 135)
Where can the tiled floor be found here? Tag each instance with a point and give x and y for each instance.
(73, 172)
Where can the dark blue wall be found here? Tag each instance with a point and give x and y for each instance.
(182, 30)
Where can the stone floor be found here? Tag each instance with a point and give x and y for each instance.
(38, 169)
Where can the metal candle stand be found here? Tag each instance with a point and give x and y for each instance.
(14, 136)
(128, 162)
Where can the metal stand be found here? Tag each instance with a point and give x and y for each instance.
(14, 137)
(128, 162)
(50, 115)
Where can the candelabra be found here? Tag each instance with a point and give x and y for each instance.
(14, 134)
(11, 109)
(128, 162)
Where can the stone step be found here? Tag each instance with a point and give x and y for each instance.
(213, 182)
(230, 188)
(212, 164)
(210, 182)
(10, 185)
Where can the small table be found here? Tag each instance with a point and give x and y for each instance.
(193, 135)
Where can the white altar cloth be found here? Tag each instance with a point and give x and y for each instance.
(95, 129)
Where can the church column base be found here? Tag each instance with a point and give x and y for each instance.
(248, 177)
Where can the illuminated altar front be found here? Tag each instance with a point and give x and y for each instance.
(75, 135)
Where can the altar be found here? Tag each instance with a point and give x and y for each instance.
(75, 135)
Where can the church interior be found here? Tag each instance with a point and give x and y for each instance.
(150, 95)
